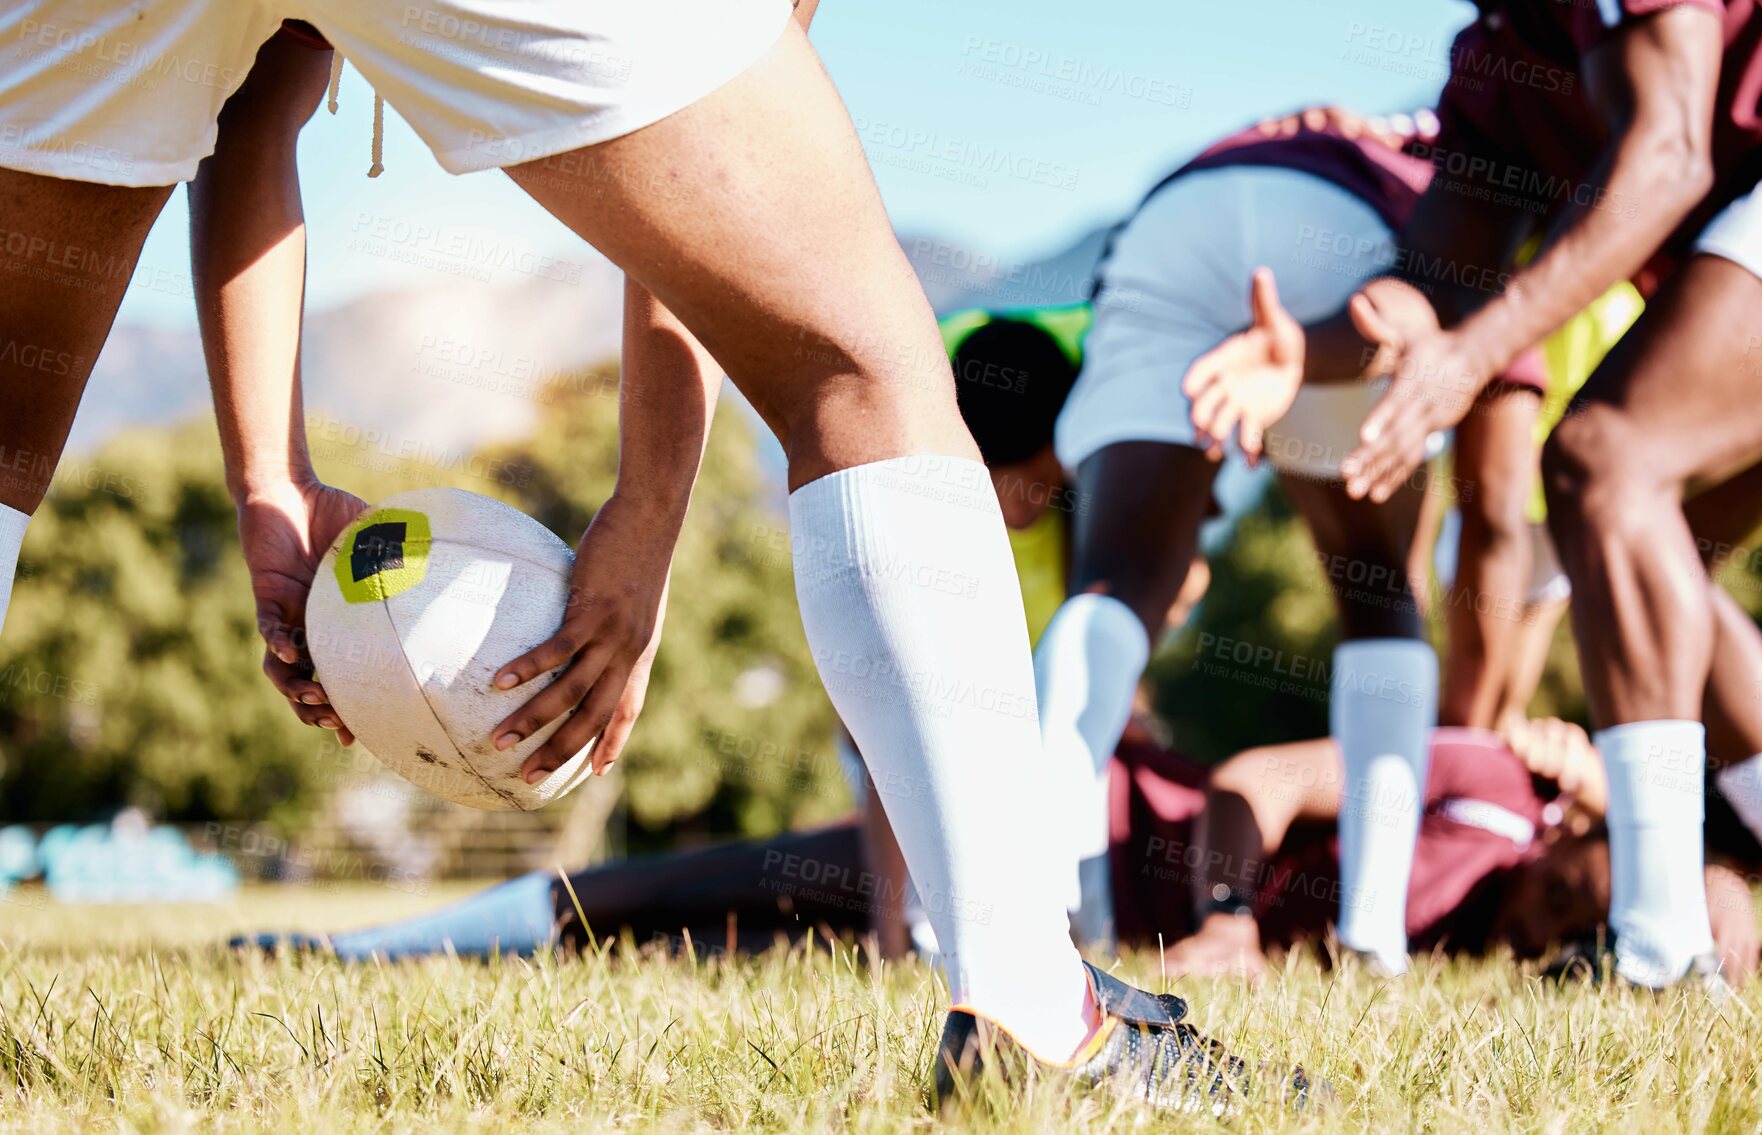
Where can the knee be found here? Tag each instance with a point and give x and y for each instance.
(1599, 471)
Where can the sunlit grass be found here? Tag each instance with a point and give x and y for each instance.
(118, 1019)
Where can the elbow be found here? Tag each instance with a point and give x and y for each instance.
(1681, 162)
(1693, 170)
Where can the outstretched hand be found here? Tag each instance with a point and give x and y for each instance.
(1433, 383)
(1246, 383)
(604, 650)
(284, 532)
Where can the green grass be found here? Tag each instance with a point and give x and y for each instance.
(125, 1020)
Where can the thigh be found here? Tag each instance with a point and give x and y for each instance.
(1136, 531)
(1675, 400)
(1363, 550)
(753, 216)
(67, 253)
(1725, 516)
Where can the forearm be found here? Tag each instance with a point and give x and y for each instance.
(1653, 85)
(667, 398)
(248, 295)
(1250, 804)
(248, 263)
(1640, 191)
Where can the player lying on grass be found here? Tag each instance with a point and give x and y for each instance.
(846, 878)
(1322, 201)
(1500, 860)
(700, 146)
(1639, 162)
(1511, 849)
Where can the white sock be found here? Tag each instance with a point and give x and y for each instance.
(912, 609)
(1086, 667)
(1658, 898)
(1383, 706)
(12, 526)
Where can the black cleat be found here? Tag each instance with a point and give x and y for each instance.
(1143, 1050)
(1591, 961)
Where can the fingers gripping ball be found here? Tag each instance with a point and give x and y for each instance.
(413, 611)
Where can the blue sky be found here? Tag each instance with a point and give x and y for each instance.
(1010, 127)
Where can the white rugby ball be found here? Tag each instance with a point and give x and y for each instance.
(413, 611)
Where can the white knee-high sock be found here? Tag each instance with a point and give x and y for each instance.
(1658, 898)
(12, 526)
(912, 609)
(1384, 704)
(1086, 667)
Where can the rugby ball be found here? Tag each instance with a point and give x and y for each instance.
(413, 611)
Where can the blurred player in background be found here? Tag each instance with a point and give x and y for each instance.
(1321, 195)
(1637, 158)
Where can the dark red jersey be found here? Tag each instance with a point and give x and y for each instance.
(1482, 813)
(1517, 127)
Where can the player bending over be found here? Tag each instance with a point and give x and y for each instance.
(1321, 200)
(589, 108)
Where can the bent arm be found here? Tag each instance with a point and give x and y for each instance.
(1653, 86)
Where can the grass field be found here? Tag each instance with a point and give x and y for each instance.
(123, 1019)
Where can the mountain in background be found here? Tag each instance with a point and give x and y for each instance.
(455, 365)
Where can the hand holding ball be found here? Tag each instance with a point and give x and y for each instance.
(414, 609)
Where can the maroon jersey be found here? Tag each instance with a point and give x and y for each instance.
(1389, 180)
(1517, 126)
(1482, 812)
(1386, 179)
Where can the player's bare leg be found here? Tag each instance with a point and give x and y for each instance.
(1671, 404)
(1364, 550)
(752, 216)
(1494, 476)
(69, 251)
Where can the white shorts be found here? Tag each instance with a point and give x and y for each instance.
(1177, 283)
(128, 94)
(1736, 233)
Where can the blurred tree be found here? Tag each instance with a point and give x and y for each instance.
(130, 668)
